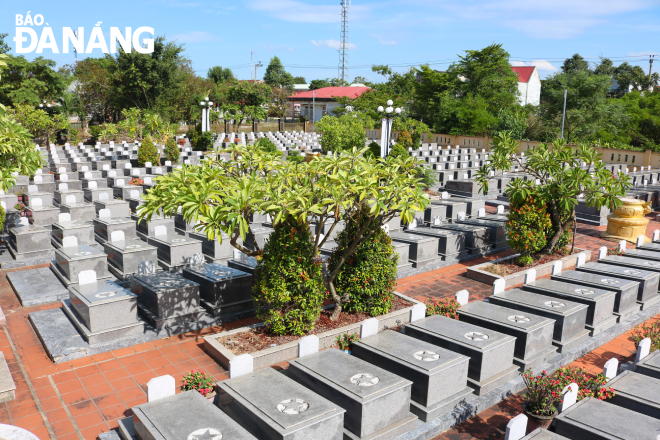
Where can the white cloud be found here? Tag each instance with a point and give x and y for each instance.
(542, 65)
(333, 44)
(382, 40)
(300, 12)
(196, 37)
(270, 47)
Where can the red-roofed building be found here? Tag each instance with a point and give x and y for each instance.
(323, 100)
(529, 84)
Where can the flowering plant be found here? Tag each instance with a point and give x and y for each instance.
(446, 307)
(19, 207)
(615, 251)
(588, 385)
(181, 142)
(136, 181)
(344, 341)
(651, 331)
(543, 393)
(198, 380)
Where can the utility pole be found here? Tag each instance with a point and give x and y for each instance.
(251, 53)
(343, 41)
(650, 65)
(255, 69)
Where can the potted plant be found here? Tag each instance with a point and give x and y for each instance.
(344, 341)
(20, 207)
(199, 381)
(541, 399)
(19, 193)
(136, 181)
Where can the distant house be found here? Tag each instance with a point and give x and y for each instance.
(529, 84)
(317, 103)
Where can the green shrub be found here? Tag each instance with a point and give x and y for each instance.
(368, 276)
(398, 151)
(200, 141)
(528, 227)
(428, 175)
(405, 139)
(264, 144)
(297, 158)
(374, 150)
(148, 152)
(2, 218)
(288, 286)
(172, 151)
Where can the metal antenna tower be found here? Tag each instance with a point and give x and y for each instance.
(343, 45)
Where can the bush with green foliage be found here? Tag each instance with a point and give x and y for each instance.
(2, 218)
(296, 158)
(288, 286)
(172, 151)
(265, 144)
(368, 276)
(341, 133)
(528, 227)
(148, 152)
(200, 141)
(427, 175)
(398, 151)
(374, 150)
(405, 140)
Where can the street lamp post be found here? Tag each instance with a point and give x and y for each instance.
(255, 70)
(563, 115)
(389, 113)
(206, 109)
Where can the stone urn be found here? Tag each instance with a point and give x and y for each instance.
(309, 156)
(628, 221)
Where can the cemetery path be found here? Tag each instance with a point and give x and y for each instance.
(78, 400)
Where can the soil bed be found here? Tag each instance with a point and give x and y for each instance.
(258, 339)
(510, 267)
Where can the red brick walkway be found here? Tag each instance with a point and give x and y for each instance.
(83, 398)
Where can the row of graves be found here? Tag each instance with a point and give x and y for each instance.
(80, 217)
(435, 371)
(289, 143)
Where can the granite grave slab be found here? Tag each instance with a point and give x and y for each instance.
(37, 286)
(222, 289)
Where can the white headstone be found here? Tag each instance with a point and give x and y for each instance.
(33, 189)
(610, 368)
(69, 241)
(640, 240)
(530, 276)
(70, 200)
(22, 221)
(462, 296)
(135, 194)
(119, 182)
(128, 165)
(39, 171)
(106, 167)
(418, 312)
(460, 216)
(240, 365)
(61, 170)
(308, 345)
(91, 185)
(622, 245)
(63, 186)
(444, 195)
(656, 235)
(87, 277)
(117, 236)
(38, 179)
(148, 164)
(557, 266)
(581, 259)
(135, 172)
(104, 213)
(160, 230)
(498, 286)
(643, 349)
(64, 178)
(103, 196)
(88, 175)
(84, 168)
(570, 393)
(168, 163)
(413, 224)
(63, 217)
(481, 212)
(602, 252)
(500, 209)
(159, 387)
(112, 173)
(369, 327)
(516, 428)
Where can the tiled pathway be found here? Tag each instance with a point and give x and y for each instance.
(83, 398)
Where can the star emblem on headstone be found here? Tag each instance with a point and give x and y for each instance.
(632, 272)
(178, 240)
(364, 380)
(519, 318)
(652, 264)
(205, 434)
(476, 336)
(82, 254)
(292, 406)
(609, 281)
(584, 291)
(133, 246)
(105, 294)
(427, 356)
(554, 304)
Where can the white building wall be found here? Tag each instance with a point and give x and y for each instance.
(530, 92)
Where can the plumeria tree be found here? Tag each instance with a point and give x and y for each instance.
(219, 196)
(560, 176)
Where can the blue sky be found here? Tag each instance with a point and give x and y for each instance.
(305, 33)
